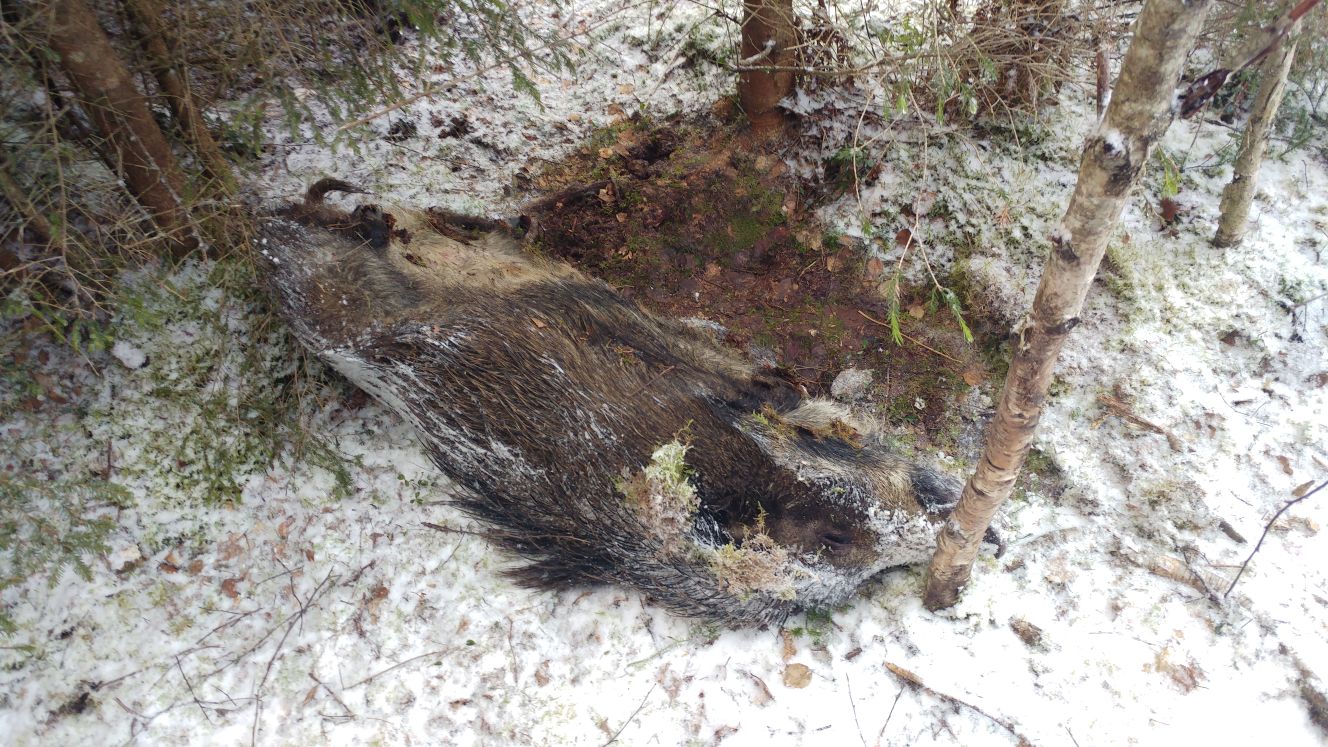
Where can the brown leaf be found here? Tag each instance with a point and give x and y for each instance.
(283, 530)
(606, 153)
(917, 311)
(875, 268)
(542, 677)
(231, 547)
(1029, 633)
(229, 587)
(539, 323)
(309, 695)
(622, 217)
(1169, 209)
(797, 675)
(973, 376)
(903, 237)
(790, 646)
(762, 696)
(1286, 464)
(1302, 489)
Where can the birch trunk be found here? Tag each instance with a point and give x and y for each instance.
(768, 40)
(136, 150)
(1140, 111)
(1236, 198)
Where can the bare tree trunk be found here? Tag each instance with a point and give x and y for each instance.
(1237, 196)
(146, 16)
(138, 152)
(768, 41)
(1139, 113)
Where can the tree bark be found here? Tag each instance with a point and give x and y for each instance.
(146, 16)
(768, 41)
(137, 151)
(1139, 113)
(1236, 198)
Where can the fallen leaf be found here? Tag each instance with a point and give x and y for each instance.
(229, 587)
(539, 323)
(797, 675)
(1302, 489)
(1286, 464)
(917, 311)
(973, 376)
(622, 217)
(1029, 633)
(606, 152)
(762, 696)
(875, 268)
(903, 237)
(1169, 209)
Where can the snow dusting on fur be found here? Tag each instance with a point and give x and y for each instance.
(342, 602)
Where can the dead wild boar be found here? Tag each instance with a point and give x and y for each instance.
(598, 442)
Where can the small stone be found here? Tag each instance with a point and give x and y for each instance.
(851, 384)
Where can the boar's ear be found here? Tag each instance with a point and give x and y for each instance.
(761, 389)
(936, 493)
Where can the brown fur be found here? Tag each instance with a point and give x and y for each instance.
(543, 392)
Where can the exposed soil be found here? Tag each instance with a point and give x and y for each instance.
(689, 221)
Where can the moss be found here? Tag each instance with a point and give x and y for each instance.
(219, 397)
(759, 565)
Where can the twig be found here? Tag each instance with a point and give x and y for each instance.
(298, 616)
(1122, 411)
(913, 340)
(450, 530)
(398, 665)
(1267, 527)
(192, 694)
(916, 681)
(648, 384)
(340, 702)
(854, 705)
(430, 91)
(1205, 87)
(891, 714)
(632, 717)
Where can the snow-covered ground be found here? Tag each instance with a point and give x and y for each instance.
(320, 609)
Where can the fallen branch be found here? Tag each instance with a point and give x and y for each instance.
(1266, 528)
(916, 681)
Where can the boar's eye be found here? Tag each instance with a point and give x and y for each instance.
(837, 543)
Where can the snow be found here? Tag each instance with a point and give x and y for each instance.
(319, 608)
(129, 355)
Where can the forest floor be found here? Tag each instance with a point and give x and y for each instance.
(270, 578)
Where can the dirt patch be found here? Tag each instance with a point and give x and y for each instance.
(680, 216)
